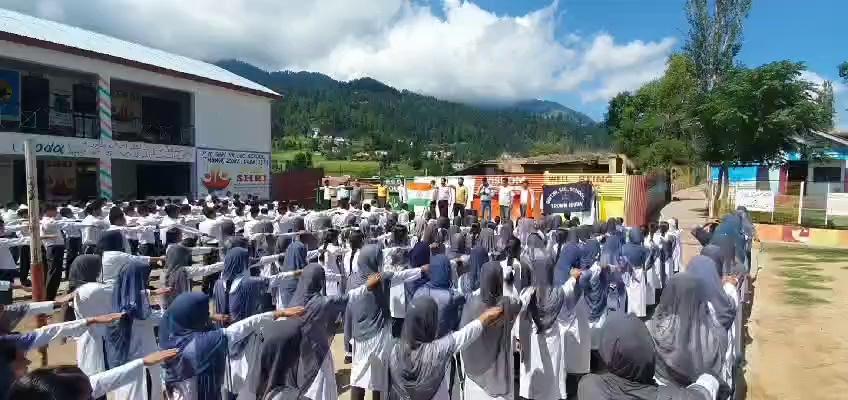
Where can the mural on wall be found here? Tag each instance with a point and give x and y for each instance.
(60, 179)
(126, 112)
(241, 172)
(10, 96)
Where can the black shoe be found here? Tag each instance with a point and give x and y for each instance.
(348, 359)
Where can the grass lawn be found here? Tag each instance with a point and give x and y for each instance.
(347, 167)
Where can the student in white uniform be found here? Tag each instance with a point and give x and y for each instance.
(180, 271)
(419, 361)
(634, 254)
(487, 362)
(371, 330)
(396, 258)
(134, 335)
(677, 252)
(278, 357)
(238, 295)
(199, 371)
(652, 264)
(540, 334)
(331, 259)
(69, 382)
(13, 347)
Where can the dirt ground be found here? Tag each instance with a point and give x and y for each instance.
(798, 348)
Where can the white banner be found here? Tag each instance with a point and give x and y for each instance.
(837, 204)
(236, 172)
(755, 200)
(61, 146)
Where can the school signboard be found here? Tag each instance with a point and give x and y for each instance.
(755, 200)
(237, 172)
(567, 198)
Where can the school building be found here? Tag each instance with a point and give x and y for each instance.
(119, 120)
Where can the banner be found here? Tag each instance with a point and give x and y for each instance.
(61, 179)
(755, 200)
(567, 198)
(837, 204)
(236, 172)
(61, 99)
(126, 112)
(10, 95)
(61, 146)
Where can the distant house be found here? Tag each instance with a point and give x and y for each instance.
(380, 153)
(437, 154)
(606, 163)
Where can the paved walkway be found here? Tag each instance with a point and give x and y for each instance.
(689, 207)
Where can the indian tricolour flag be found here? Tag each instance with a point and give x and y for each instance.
(418, 196)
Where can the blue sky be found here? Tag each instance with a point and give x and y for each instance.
(811, 31)
(577, 52)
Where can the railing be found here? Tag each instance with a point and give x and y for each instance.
(807, 204)
(39, 122)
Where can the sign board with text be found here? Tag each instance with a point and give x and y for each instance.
(62, 146)
(837, 204)
(755, 200)
(568, 198)
(237, 172)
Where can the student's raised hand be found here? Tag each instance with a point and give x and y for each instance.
(104, 319)
(425, 268)
(160, 357)
(491, 315)
(161, 291)
(291, 312)
(222, 318)
(298, 273)
(575, 273)
(374, 281)
(63, 300)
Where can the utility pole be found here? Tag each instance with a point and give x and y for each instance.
(36, 263)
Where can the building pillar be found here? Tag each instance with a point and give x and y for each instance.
(104, 164)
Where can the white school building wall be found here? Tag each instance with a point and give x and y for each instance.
(224, 119)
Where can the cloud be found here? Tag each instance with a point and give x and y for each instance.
(462, 53)
(819, 80)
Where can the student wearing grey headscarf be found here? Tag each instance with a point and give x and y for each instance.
(419, 361)
(687, 338)
(488, 362)
(724, 306)
(370, 316)
(628, 353)
(543, 358)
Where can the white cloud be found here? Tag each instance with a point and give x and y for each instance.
(465, 53)
(819, 80)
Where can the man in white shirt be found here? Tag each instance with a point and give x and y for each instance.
(326, 195)
(171, 218)
(8, 269)
(252, 221)
(54, 246)
(73, 237)
(527, 197)
(211, 225)
(505, 199)
(343, 195)
(92, 226)
(147, 238)
(444, 197)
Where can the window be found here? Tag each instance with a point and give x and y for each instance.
(827, 174)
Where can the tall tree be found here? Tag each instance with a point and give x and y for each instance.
(759, 114)
(827, 100)
(715, 37)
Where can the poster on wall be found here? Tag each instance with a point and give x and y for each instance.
(126, 112)
(755, 200)
(567, 198)
(61, 100)
(60, 179)
(10, 96)
(236, 172)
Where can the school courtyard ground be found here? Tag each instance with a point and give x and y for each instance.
(796, 346)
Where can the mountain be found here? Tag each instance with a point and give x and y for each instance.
(405, 123)
(553, 109)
